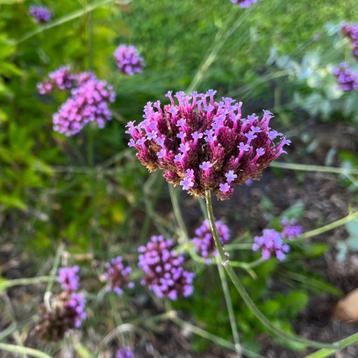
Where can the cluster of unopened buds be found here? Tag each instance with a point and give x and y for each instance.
(203, 144)
(88, 101)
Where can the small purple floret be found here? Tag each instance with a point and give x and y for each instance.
(163, 269)
(290, 229)
(117, 275)
(128, 60)
(203, 240)
(270, 243)
(68, 278)
(41, 14)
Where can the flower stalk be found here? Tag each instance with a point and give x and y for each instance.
(225, 262)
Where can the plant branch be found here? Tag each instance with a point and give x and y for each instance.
(224, 260)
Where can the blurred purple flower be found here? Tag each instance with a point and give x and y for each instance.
(351, 31)
(124, 352)
(87, 103)
(68, 278)
(163, 269)
(128, 59)
(270, 243)
(41, 14)
(244, 3)
(117, 275)
(202, 144)
(77, 305)
(290, 229)
(203, 240)
(346, 78)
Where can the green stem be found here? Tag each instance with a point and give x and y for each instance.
(177, 213)
(229, 306)
(322, 353)
(328, 227)
(224, 260)
(23, 350)
(27, 281)
(62, 20)
(209, 336)
(314, 168)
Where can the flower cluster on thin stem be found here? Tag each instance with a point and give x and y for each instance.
(203, 144)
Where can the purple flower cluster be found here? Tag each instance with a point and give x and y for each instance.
(351, 31)
(124, 352)
(41, 14)
(244, 3)
(163, 269)
(76, 304)
(62, 79)
(68, 278)
(117, 275)
(290, 229)
(128, 60)
(88, 102)
(203, 240)
(346, 78)
(202, 144)
(270, 243)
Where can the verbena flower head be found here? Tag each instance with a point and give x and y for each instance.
(62, 79)
(290, 229)
(117, 275)
(203, 240)
(163, 269)
(68, 278)
(270, 243)
(41, 14)
(203, 144)
(346, 78)
(244, 3)
(128, 60)
(67, 311)
(88, 103)
(351, 31)
(124, 352)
